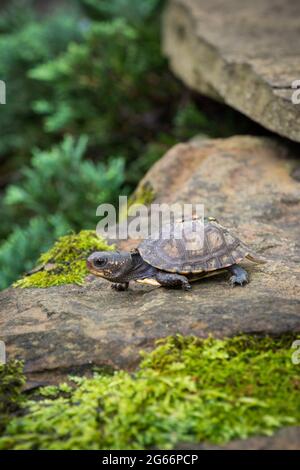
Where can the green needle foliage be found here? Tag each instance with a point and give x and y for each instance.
(25, 42)
(61, 181)
(58, 192)
(114, 85)
(186, 390)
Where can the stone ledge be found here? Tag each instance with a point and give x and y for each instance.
(245, 54)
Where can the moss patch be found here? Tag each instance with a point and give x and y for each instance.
(186, 390)
(11, 382)
(143, 195)
(65, 262)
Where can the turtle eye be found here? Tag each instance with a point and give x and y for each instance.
(100, 262)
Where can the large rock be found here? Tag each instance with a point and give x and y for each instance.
(243, 181)
(243, 53)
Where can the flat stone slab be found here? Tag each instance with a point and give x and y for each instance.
(243, 53)
(286, 438)
(243, 181)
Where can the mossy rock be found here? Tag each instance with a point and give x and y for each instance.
(143, 195)
(65, 262)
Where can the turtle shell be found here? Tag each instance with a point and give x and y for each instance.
(201, 248)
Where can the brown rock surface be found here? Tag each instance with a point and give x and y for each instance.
(286, 438)
(245, 182)
(243, 53)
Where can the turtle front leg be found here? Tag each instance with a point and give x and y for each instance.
(172, 280)
(239, 275)
(120, 286)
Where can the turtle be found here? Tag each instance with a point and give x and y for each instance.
(175, 263)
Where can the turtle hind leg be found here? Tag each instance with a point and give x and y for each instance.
(172, 280)
(239, 275)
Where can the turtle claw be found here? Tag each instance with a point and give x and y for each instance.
(239, 276)
(119, 287)
(186, 287)
(239, 280)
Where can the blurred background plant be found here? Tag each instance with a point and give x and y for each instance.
(91, 105)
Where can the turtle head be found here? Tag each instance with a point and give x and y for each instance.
(112, 265)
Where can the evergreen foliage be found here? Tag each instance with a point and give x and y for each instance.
(25, 42)
(58, 192)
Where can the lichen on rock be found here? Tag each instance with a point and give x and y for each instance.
(65, 262)
(185, 390)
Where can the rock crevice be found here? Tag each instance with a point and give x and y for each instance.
(243, 54)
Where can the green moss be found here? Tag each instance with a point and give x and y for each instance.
(186, 390)
(65, 262)
(143, 195)
(11, 382)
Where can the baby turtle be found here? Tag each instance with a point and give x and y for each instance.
(172, 262)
